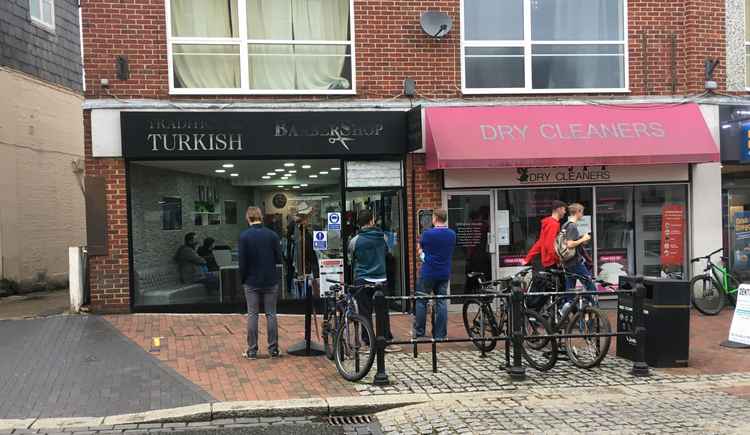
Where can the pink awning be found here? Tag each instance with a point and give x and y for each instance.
(546, 136)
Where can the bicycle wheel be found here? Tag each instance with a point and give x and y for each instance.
(472, 311)
(542, 357)
(707, 298)
(354, 348)
(534, 327)
(588, 352)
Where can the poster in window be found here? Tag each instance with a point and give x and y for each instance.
(230, 212)
(171, 213)
(742, 241)
(672, 235)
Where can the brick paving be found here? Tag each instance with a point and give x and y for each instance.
(206, 350)
(71, 366)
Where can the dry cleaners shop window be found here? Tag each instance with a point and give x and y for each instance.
(301, 46)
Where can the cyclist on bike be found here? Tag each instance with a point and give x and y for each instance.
(367, 250)
(545, 244)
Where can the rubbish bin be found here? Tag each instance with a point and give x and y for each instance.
(666, 315)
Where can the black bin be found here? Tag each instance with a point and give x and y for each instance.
(666, 314)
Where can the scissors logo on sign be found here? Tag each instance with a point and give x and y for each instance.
(339, 138)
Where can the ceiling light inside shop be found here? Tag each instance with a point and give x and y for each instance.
(289, 165)
(271, 173)
(279, 170)
(266, 177)
(313, 176)
(306, 166)
(293, 171)
(295, 187)
(303, 185)
(323, 172)
(228, 165)
(234, 174)
(336, 168)
(220, 171)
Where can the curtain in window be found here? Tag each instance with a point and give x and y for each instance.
(205, 66)
(275, 66)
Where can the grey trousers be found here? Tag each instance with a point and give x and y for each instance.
(270, 296)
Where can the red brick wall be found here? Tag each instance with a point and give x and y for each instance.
(109, 275)
(391, 46)
(426, 187)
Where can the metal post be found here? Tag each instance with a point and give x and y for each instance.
(434, 356)
(381, 377)
(517, 370)
(640, 367)
(481, 326)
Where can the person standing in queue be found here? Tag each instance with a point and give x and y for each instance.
(575, 240)
(545, 244)
(436, 247)
(367, 252)
(259, 253)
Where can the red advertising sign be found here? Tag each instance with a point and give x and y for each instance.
(672, 235)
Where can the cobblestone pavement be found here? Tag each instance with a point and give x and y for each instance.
(79, 365)
(260, 426)
(681, 408)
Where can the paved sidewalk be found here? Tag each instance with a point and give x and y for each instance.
(80, 365)
(37, 304)
(206, 350)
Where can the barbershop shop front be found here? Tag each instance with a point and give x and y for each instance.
(192, 175)
(633, 169)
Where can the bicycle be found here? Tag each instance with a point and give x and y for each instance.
(579, 316)
(354, 341)
(480, 320)
(711, 289)
(333, 312)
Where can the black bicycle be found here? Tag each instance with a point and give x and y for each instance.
(482, 320)
(354, 340)
(572, 315)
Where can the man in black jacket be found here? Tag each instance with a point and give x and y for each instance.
(259, 253)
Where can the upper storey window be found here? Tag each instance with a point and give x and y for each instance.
(42, 12)
(544, 46)
(261, 46)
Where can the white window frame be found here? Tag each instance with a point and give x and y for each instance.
(40, 20)
(526, 44)
(242, 42)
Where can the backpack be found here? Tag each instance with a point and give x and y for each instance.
(564, 253)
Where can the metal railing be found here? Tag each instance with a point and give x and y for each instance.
(515, 317)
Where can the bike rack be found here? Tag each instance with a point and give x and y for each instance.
(516, 369)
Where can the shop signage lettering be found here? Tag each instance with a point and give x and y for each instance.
(617, 130)
(263, 134)
(563, 175)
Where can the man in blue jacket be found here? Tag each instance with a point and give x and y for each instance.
(367, 251)
(259, 253)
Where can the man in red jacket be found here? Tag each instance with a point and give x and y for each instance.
(545, 244)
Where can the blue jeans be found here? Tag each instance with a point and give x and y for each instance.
(570, 284)
(424, 288)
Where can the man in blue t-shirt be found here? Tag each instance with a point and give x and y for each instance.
(436, 252)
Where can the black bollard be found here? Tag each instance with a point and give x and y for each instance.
(517, 370)
(640, 367)
(381, 377)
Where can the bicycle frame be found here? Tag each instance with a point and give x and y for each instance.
(721, 276)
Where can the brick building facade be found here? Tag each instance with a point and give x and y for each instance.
(666, 46)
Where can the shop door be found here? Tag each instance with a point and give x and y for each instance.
(470, 216)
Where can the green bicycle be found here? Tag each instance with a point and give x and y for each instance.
(711, 289)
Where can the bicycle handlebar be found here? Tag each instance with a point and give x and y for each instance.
(706, 257)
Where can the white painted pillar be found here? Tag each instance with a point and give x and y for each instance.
(75, 277)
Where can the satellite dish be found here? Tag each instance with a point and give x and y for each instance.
(436, 24)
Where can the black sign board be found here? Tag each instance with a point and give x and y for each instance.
(175, 135)
(734, 127)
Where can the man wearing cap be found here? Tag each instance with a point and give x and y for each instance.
(545, 244)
